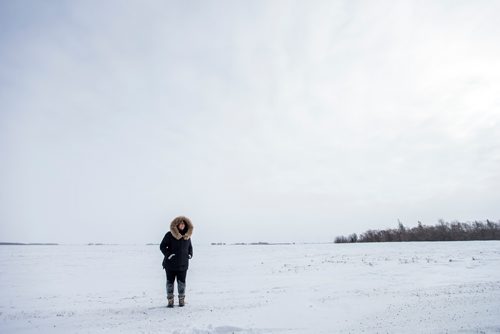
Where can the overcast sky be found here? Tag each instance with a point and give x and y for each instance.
(259, 120)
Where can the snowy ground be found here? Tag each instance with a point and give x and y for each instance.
(449, 287)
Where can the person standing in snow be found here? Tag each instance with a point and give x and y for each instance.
(177, 250)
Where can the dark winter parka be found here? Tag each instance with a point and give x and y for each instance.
(176, 245)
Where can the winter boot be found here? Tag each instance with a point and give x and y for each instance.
(170, 301)
(181, 301)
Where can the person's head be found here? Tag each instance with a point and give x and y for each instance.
(181, 226)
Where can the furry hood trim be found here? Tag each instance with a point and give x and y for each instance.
(175, 232)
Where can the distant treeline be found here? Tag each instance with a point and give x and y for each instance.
(260, 243)
(443, 231)
(30, 244)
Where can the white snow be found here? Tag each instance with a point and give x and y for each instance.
(438, 287)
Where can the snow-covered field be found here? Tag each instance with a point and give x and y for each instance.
(449, 287)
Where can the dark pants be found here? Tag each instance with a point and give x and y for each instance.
(181, 282)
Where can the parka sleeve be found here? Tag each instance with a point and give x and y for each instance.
(164, 245)
(190, 249)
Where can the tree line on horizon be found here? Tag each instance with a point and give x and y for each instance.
(443, 231)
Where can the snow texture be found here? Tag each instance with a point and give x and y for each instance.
(451, 287)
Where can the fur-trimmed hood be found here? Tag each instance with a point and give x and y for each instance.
(175, 232)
